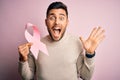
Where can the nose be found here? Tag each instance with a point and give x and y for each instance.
(57, 21)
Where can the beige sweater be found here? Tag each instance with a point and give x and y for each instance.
(66, 61)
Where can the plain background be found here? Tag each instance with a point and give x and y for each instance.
(83, 16)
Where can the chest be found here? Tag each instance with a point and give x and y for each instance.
(59, 55)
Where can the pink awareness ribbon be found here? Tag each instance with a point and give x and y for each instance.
(35, 39)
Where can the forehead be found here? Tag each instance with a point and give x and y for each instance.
(57, 12)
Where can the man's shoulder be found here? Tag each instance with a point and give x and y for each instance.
(75, 42)
(73, 37)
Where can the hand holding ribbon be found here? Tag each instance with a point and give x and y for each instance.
(35, 39)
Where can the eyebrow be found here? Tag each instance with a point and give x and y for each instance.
(59, 14)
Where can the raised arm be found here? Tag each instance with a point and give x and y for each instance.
(26, 63)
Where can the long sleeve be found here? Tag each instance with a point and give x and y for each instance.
(27, 69)
(85, 67)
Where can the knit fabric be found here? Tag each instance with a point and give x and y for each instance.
(66, 61)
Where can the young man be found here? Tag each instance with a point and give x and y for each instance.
(69, 57)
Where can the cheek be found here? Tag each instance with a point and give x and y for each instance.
(50, 24)
(64, 24)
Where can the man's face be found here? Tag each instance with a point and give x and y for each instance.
(56, 23)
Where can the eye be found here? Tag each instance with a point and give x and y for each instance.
(51, 18)
(61, 18)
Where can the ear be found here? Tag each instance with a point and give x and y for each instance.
(46, 22)
(67, 22)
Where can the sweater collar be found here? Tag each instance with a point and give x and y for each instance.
(61, 40)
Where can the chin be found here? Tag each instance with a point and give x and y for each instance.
(56, 39)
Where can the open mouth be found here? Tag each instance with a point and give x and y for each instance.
(56, 32)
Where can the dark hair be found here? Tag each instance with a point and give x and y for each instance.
(57, 5)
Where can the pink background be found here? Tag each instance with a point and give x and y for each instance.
(83, 16)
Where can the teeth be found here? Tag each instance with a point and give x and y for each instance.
(56, 27)
(57, 30)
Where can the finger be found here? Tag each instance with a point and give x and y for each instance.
(24, 47)
(21, 46)
(93, 32)
(99, 39)
(97, 32)
(100, 33)
(29, 44)
(82, 40)
(24, 50)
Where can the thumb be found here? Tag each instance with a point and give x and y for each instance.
(82, 40)
(29, 44)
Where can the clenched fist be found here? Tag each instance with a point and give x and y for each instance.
(24, 51)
